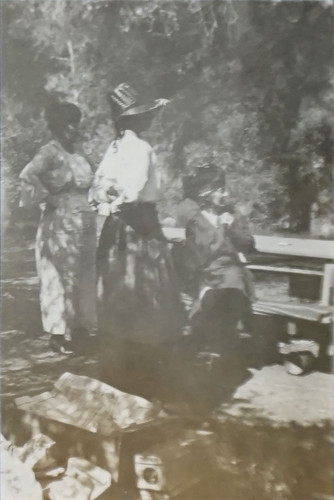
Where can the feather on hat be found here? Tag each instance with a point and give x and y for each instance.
(124, 101)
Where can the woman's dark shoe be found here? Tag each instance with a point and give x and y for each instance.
(60, 345)
(82, 342)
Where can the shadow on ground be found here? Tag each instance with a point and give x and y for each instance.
(257, 459)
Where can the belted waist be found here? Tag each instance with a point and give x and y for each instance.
(142, 216)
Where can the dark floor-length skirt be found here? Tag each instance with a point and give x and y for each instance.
(139, 309)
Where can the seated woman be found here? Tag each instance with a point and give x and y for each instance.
(58, 179)
(217, 237)
(139, 308)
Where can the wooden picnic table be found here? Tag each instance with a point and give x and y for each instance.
(295, 257)
(277, 245)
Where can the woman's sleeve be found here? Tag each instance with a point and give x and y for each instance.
(98, 193)
(192, 260)
(185, 212)
(144, 173)
(33, 190)
(102, 187)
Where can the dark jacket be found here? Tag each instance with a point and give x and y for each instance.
(212, 254)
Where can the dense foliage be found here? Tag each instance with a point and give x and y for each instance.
(251, 85)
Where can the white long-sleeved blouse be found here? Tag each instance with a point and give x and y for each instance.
(126, 174)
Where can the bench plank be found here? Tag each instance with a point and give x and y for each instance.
(284, 270)
(311, 312)
(317, 249)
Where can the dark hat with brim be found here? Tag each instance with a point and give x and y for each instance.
(145, 108)
(124, 101)
(204, 178)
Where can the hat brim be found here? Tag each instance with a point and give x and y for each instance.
(144, 108)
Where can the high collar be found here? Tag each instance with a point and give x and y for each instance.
(59, 145)
(129, 134)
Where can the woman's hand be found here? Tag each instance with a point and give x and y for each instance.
(226, 219)
(112, 192)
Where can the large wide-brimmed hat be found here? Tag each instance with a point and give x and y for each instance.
(203, 179)
(125, 101)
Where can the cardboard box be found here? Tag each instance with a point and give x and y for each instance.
(94, 421)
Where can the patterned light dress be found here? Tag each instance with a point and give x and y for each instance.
(66, 238)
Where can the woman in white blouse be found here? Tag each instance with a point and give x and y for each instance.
(140, 312)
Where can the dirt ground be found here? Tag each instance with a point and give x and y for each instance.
(274, 438)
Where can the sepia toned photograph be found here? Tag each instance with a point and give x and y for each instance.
(167, 250)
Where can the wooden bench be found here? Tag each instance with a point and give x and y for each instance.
(310, 269)
(302, 259)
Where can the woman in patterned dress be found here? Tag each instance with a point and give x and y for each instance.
(139, 308)
(58, 180)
